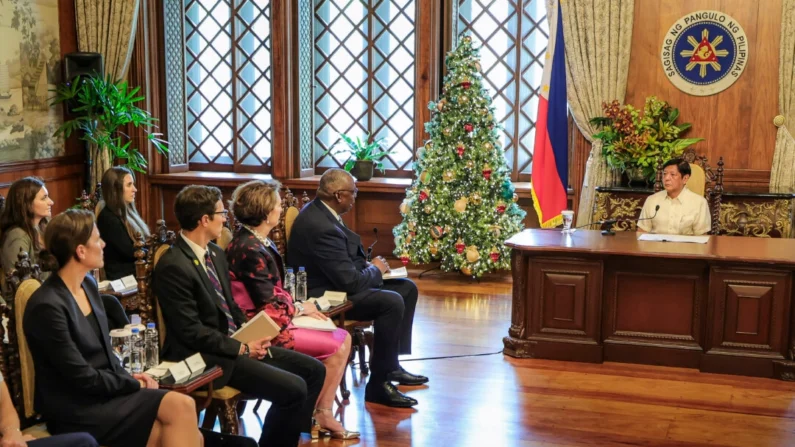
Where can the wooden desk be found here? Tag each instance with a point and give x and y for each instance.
(204, 379)
(339, 312)
(723, 307)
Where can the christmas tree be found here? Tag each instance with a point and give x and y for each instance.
(461, 207)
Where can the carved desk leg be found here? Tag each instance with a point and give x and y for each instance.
(514, 343)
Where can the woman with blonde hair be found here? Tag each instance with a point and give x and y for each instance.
(256, 271)
(119, 222)
(80, 384)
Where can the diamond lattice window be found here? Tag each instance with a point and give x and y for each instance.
(514, 35)
(228, 84)
(364, 77)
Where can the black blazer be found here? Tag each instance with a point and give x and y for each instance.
(332, 254)
(119, 249)
(75, 370)
(194, 320)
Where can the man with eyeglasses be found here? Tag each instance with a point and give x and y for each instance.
(191, 283)
(335, 260)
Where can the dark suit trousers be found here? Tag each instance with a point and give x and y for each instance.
(66, 440)
(291, 382)
(392, 310)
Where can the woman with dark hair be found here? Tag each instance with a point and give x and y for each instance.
(80, 385)
(23, 220)
(256, 271)
(118, 222)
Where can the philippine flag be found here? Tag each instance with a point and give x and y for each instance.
(550, 155)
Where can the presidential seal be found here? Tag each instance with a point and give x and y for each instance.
(704, 52)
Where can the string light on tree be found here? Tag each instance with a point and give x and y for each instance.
(459, 210)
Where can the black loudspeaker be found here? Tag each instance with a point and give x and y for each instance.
(82, 64)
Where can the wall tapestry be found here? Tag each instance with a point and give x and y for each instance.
(30, 65)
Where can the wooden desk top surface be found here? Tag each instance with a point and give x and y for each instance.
(625, 243)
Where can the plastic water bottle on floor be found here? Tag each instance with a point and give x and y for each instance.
(289, 282)
(152, 343)
(300, 285)
(137, 352)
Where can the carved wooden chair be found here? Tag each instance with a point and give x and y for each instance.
(703, 181)
(16, 362)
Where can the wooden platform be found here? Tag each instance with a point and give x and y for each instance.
(500, 401)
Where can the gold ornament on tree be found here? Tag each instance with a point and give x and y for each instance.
(487, 146)
(460, 205)
(470, 164)
(448, 176)
(434, 247)
(437, 232)
(472, 253)
(476, 199)
(495, 229)
(428, 209)
(412, 225)
(405, 207)
(447, 131)
(463, 99)
(466, 270)
(425, 177)
(440, 105)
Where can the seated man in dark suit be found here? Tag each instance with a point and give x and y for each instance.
(191, 283)
(334, 259)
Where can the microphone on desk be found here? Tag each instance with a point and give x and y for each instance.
(370, 248)
(610, 232)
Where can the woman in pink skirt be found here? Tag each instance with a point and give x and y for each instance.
(256, 270)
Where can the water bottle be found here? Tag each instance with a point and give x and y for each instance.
(152, 343)
(300, 285)
(289, 282)
(137, 352)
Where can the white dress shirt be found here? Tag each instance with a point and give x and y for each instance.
(687, 214)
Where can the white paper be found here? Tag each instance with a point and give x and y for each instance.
(195, 363)
(306, 322)
(396, 273)
(335, 298)
(673, 238)
(129, 282)
(180, 371)
(117, 285)
(322, 302)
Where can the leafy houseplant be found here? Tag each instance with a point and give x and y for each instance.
(634, 141)
(103, 109)
(363, 157)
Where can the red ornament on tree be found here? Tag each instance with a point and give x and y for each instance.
(466, 85)
(501, 207)
(423, 195)
(468, 127)
(487, 171)
(494, 255)
(460, 149)
(459, 246)
(404, 258)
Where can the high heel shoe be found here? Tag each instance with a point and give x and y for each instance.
(318, 430)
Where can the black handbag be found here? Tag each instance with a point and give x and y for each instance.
(215, 439)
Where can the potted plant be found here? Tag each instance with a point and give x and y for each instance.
(363, 157)
(103, 109)
(634, 141)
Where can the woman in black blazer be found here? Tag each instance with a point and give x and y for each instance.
(80, 385)
(118, 221)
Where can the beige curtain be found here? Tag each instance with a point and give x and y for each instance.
(782, 178)
(598, 38)
(107, 27)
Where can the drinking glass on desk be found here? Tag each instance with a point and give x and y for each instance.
(568, 218)
(120, 344)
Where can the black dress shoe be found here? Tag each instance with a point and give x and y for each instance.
(404, 377)
(386, 394)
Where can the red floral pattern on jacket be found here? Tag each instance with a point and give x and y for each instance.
(256, 274)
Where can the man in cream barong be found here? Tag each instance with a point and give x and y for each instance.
(681, 211)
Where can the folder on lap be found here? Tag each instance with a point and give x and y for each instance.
(259, 327)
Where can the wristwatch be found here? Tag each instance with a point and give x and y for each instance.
(300, 307)
(246, 350)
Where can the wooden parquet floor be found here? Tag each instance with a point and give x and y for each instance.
(494, 400)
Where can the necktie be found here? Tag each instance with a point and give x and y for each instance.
(219, 292)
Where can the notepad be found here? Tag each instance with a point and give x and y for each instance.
(396, 273)
(673, 238)
(305, 322)
(257, 328)
(335, 298)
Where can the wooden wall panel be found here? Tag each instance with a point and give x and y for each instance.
(736, 123)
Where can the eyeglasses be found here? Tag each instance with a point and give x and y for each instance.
(225, 213)
(354, 191)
